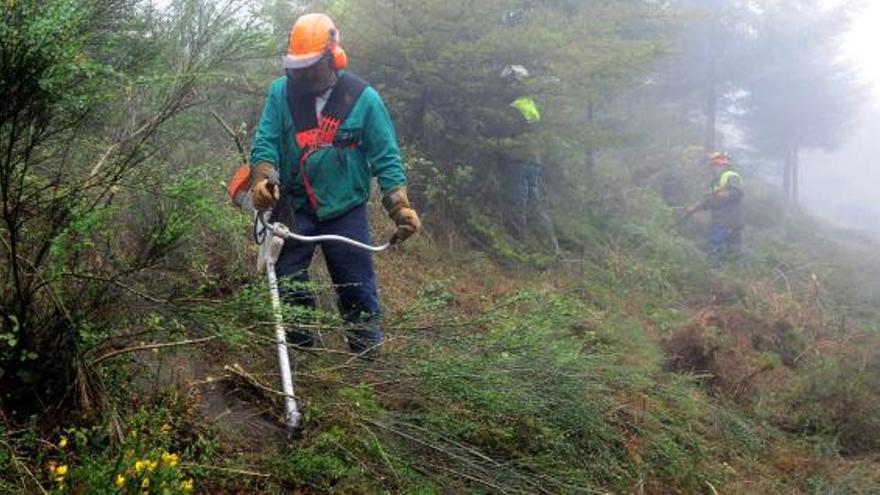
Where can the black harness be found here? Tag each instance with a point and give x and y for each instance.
(314, 132)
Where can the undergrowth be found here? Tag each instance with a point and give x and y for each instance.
(633, 369)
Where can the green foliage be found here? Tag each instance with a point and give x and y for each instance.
(439, 63)
(860, 479)
(158, 443)
(89, 206)
(487, 234)
(436, 184)
(85, 229)
(325, 462)
(836, 397)
(45, 63)
(5, 461)
(538, 393)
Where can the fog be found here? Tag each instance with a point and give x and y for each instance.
(841, 185)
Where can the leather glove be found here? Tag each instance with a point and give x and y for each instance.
(401, 211)
(264, 192)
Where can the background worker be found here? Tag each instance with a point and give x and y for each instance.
(524, 160)
(327, 133)
(725, 204)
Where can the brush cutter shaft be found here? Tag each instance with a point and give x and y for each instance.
(271, 237)
(292, 416)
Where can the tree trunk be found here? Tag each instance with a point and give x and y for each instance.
(787, 176)
(590, 158)
(711, 110)
(795, 169)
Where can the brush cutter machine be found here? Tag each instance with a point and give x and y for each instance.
(271, 237)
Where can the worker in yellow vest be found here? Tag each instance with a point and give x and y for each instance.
(724, 201)
(526, 162)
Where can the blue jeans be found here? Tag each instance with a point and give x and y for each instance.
(351, 270)
(724, 239)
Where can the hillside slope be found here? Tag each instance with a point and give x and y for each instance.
(632, 370)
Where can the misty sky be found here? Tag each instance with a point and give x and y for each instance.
(843, 185)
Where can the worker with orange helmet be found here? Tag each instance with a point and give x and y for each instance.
(327, 133)
(724, 201)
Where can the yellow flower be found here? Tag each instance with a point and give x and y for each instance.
(187, 485)
(169, 459)
(139, 466)
(63, 442)
(145, 483)
(61, 471)
(120, 481)
(151, 465)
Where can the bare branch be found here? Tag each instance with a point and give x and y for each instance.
(165, 345)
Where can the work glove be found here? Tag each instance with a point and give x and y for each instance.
(402, 213)
(264, 192)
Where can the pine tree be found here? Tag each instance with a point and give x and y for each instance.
(798, 93)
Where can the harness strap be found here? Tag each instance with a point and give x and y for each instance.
(310, 190)
(314, 132)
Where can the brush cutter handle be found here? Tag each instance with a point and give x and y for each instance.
(280, 230)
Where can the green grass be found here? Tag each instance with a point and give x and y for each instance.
(559, 385)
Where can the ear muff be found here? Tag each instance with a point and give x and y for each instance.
(340, 58)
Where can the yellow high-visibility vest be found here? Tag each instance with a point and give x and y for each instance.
(528, 108)
(726, 178)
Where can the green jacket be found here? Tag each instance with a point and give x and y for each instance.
(341, 177)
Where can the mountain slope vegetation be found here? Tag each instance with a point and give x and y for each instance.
(137, 355)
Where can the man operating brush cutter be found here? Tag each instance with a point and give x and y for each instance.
(324, 133)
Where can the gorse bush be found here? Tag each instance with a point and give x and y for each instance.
(835, 397)
(91, 214)
(146, 461)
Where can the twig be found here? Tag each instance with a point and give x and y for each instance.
(474, 479)
(382, 452)
(43, 283)
(714, 491)
(353, 358)
(227, 470)
(238, 371)
(21, 466)
(807, 350)
(317, 350)
(233, 135)
(118, 284)
(453, 455)
(743, 383)
(102, 160)
(164, 345)
(784, 277)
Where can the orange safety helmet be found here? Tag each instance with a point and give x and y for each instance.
(313, 36)
(719, 158)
